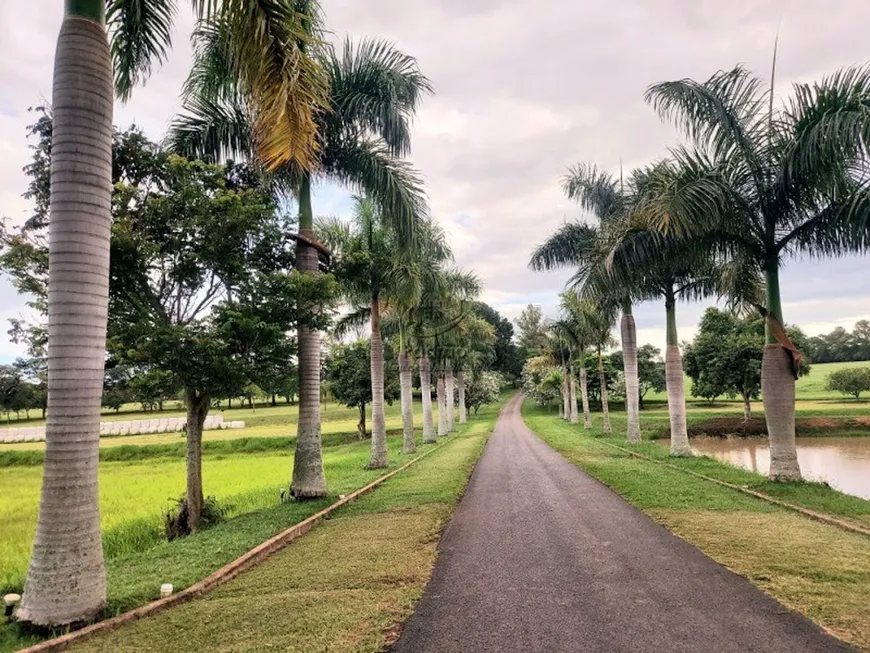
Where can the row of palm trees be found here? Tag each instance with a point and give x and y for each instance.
(264, 85)
(756, 182)
(408, 293)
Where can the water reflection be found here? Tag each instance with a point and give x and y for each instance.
(844, 463)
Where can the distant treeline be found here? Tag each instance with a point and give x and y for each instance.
(840, 346)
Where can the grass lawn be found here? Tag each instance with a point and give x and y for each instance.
(263, 422)
(809, 387)
(814, 568)
(343, 587)
(134, 495)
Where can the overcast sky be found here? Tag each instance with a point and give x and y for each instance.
(522, 91)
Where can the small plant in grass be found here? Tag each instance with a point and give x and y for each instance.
(176, 521)
(850, 381)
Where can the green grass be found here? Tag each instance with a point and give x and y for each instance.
(814, 568)
(809, 388)
(343, 587)
(269, 422)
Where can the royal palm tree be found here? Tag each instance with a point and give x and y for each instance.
(373, 92)
(575, 245)
(769, 182)
(475, 348)
(372, 269)
(574, 328)
(600, 324)
(66, 581)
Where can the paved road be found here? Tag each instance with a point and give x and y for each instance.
(541, 557)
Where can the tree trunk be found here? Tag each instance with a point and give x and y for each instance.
(66, 580)
(566, 395)
(674, 382)
(406, 382)
(197, 411)
(426, 391)
(361, 425)
(442, 405)
(460, 384)
(747, 408)
(629, 362)
(274, 399)
(450, 398)
(309, 480)
(605, 408)
(379, 458)
(572, 400)
(778, 393)
(584, 395)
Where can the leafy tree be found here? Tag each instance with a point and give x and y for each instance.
(650, 369)
(532, 337)
(485, 388)
(150, 386)
(850, 381)
(542, 382)
(508, 359)
(761, 182)
(266, 41)
(348, 371)
(840, 345)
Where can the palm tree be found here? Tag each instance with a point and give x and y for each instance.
(66, 580)
(474, 350)
(769, 182)
(372, 268)
(575, 245)
(658, 266)
(600, 323)
(373, 91)
(573, 328)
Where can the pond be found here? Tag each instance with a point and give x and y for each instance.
(844, 463)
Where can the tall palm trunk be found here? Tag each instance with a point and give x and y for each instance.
(426, 389)
(463, 409)
(675, 384)
(66, 580)
(450, 397)
(406, 383)
(572, 399)
(629, 362)
(584, 394)
(605, 408)
(442, 405)
(379, 425)
(566, 394)
(197, 411)
(778, 391)
(309, 480)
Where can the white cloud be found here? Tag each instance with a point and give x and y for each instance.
(521, 93)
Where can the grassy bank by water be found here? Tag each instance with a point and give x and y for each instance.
(344, 587)
(817, 569)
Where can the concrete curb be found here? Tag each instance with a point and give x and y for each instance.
(806, 512)
(226, 573)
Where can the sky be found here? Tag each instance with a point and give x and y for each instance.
(522, 91)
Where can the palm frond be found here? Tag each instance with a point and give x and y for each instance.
(141, 34)
(595, 190)
(375, 90)
(392, 183)
(353, 322)
(211, 130)
(724, 115)
(572, 245)
(272, 46)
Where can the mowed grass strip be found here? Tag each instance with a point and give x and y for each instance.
(343, 587)
(817, 569)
